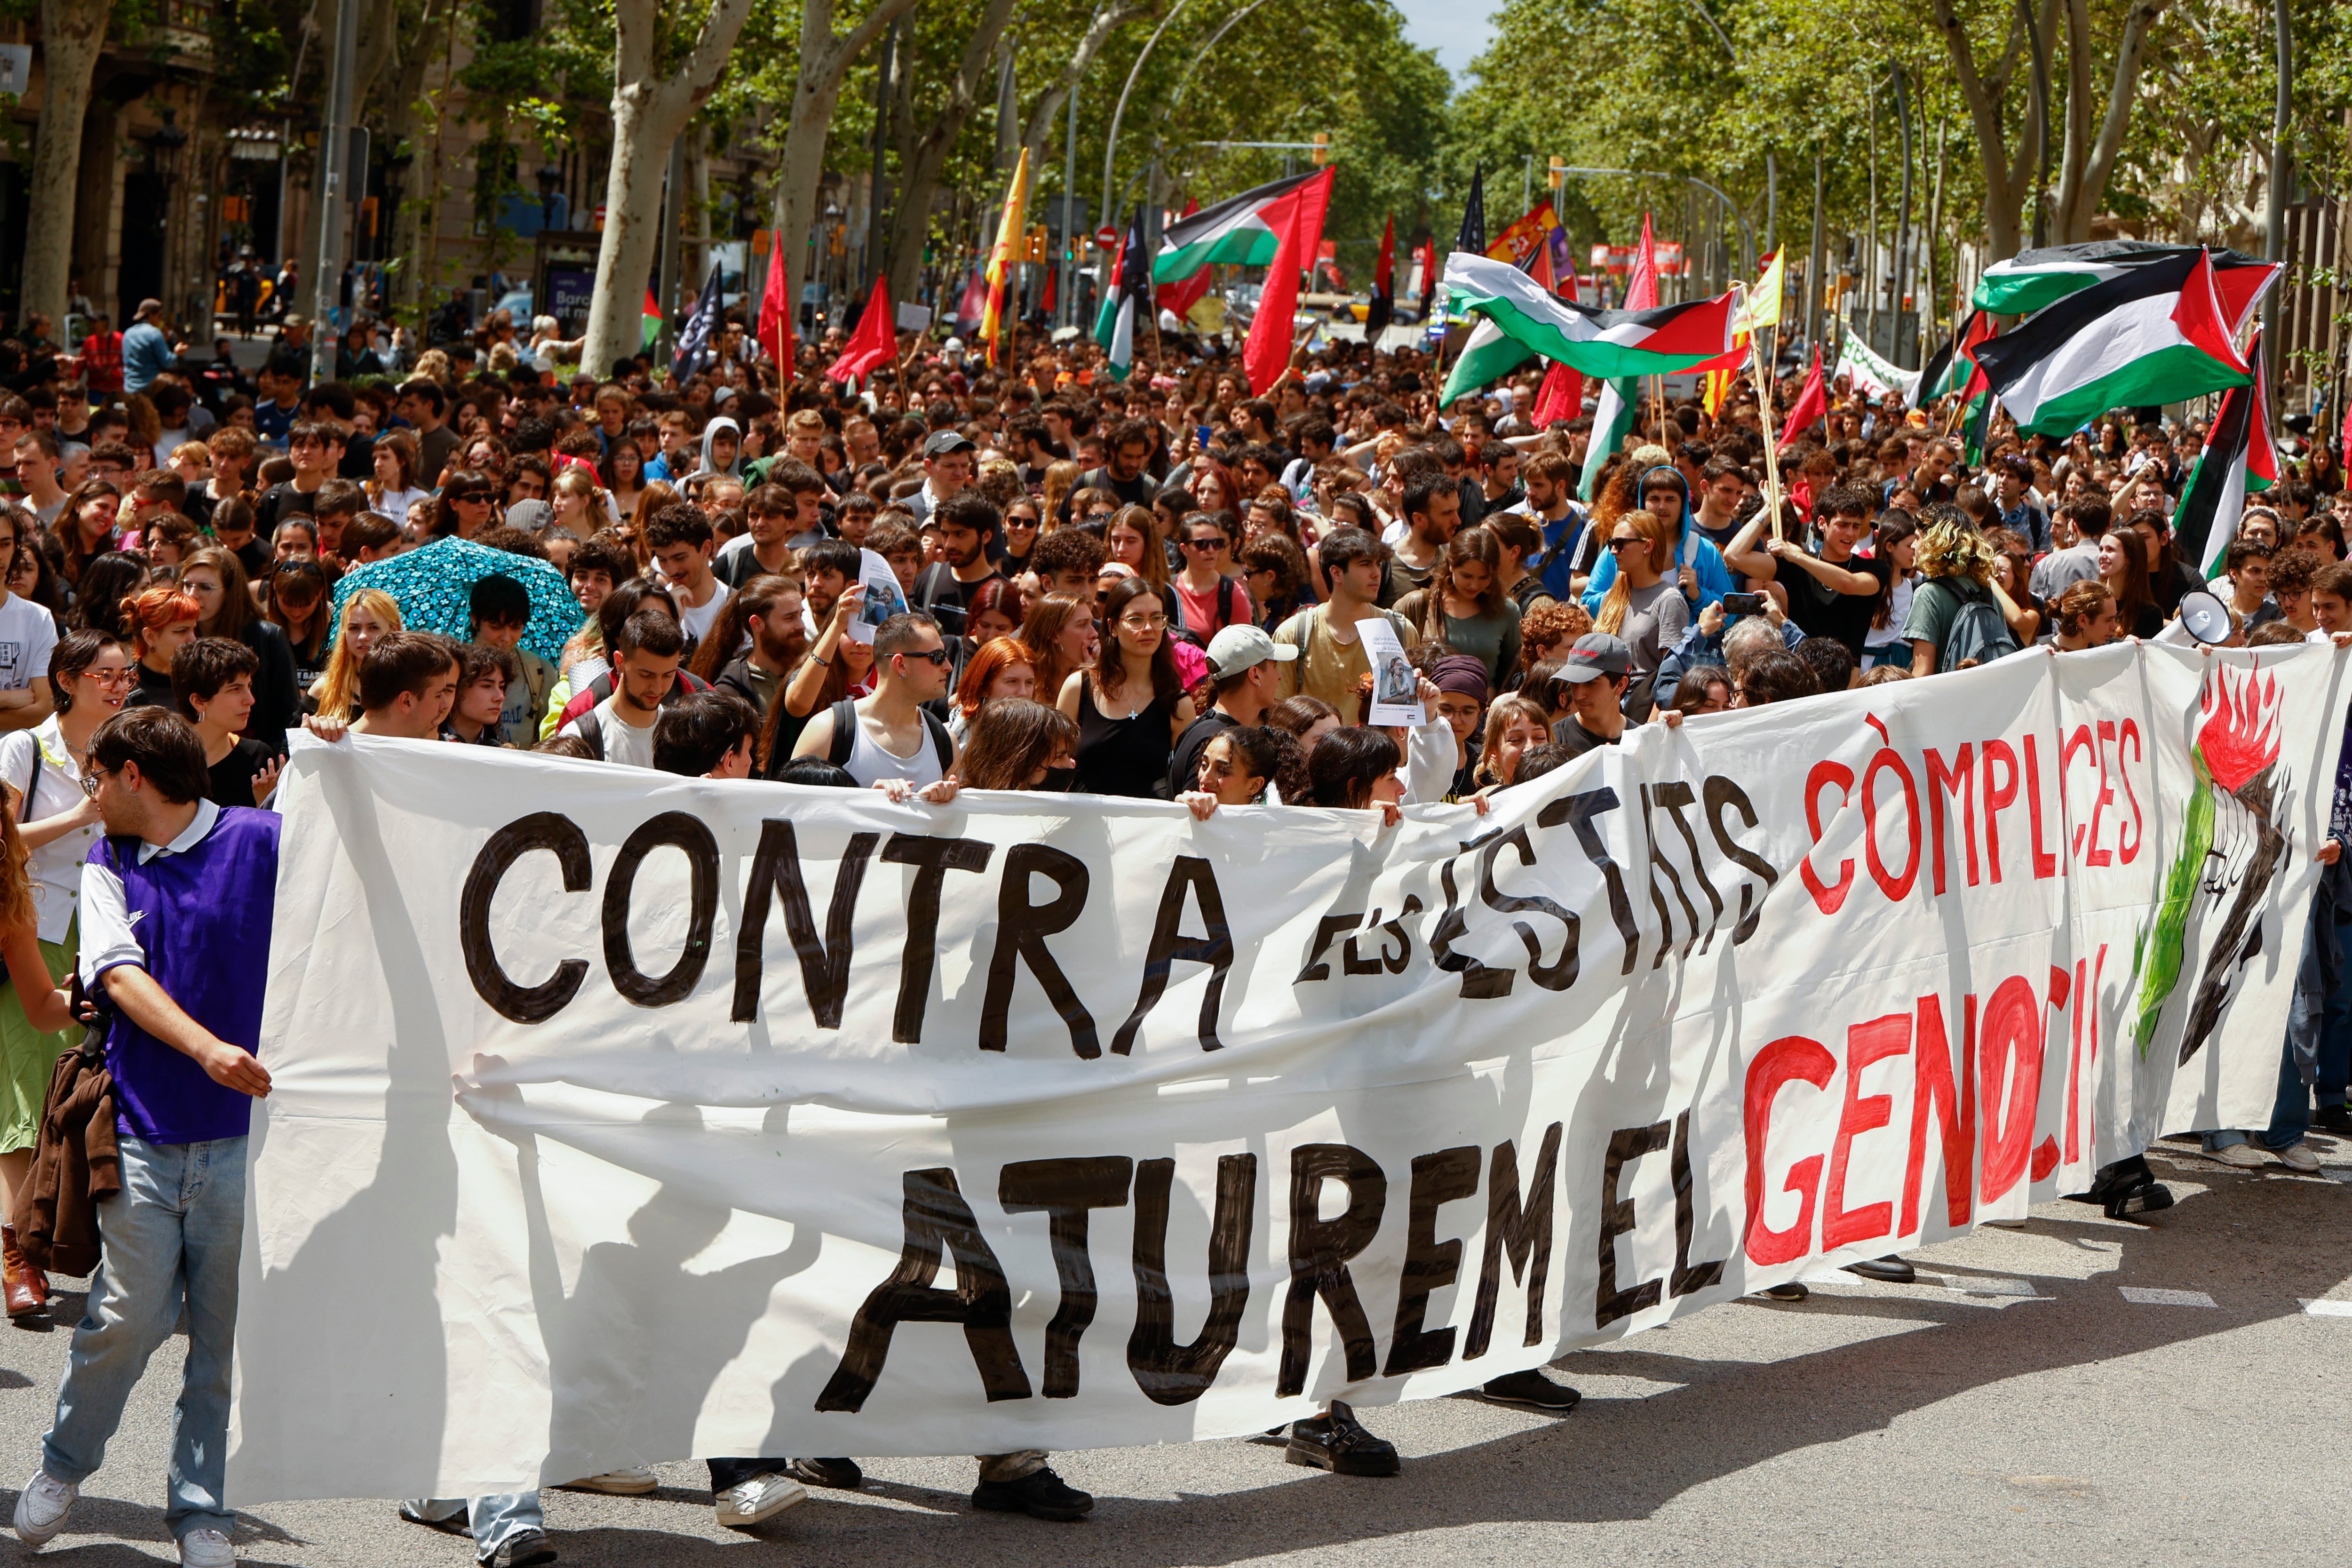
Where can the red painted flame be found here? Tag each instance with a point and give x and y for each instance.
(2238, 733)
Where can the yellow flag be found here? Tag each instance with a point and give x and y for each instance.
(1763, 308)
(1004, 254)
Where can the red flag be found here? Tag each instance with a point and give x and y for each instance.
(874, 343)
(1296, 220)
(1561, 396)
(1811, 403)
(1185, 293)
(1642, 287)
(2343, 441)
(973, 309)
(1052, 288)
(776, 311)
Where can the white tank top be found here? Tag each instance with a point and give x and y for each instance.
(870, 763)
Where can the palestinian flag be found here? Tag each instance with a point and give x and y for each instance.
(1240, 231)
(1127, 301)
(1953, 366)
(650, 316)
(1487, 355)
(1611, 344)
(1613, 421)
(1179, 298)
(2033, 281)
(2150, 334)
(2238, 460)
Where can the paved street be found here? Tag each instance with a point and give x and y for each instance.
(2035, 1404)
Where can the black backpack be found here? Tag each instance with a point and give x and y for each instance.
(845, 734)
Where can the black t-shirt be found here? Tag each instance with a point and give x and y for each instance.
(1820, 611)
(1137, 492)
(282, 502)
(232, 776)
(940, 595)
(1576, 739)
(1184, 767)
(153, 687)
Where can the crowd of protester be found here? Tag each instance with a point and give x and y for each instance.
(1151, 587)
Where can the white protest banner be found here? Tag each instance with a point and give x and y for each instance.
(1872, 376)
(620, 1118)
(1396, 685)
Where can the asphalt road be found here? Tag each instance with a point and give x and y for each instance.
(2022, 1408)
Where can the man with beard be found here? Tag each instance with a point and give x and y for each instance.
(770, 608)
(965, 522)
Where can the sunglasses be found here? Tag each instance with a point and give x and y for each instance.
(1206, 543)
(937, 656)
(469, 497)
(1628, 544)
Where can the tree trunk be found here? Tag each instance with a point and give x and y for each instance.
(72, 33)
(926, 153)
(2082, 179)
(825, 61)
(413, 215)
(649, 114)
(2007, 176)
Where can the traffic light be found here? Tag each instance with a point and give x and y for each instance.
(1322, 153)
(1556, 172)
(1036, 249)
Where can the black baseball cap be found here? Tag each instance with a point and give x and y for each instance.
(1596, 654)
(942, 442)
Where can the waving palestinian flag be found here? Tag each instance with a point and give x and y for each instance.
(2151, 334)
(2238, 461)
(1667, 340)
(2035, 279)
(1240, 231)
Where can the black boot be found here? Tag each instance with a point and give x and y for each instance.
(1337, 1444)
(1887, 1270)
(2128, 1187)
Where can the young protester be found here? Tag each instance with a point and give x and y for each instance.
(2084, 616)
(681, 540)
(1431, 509)
(1833, 592)
(408, 683)
(1253, 765)
(890, 740)
(1460, 702)
(706, 734)
(763, 619)
(215, 580)
(1247, 667)
(162, 619)
(1515, 725)
(1596, 674)
(1063, 631)
(484, 675)
(1131, 707)
(2123, 570)
(368, 614)
(1956, 616)
(966, 525)
(775, 531)
(2247, 564)
(1703, 689)
(1019, 744)
(296, 606)
(1695, 565)
(90, 674)
(1332, 664)
(1642, 606)
(211, 681)
(2292, 571)
(500, 610)
(175, 925)
(1206, 600)
(1464, 606)
(1001, 668)
(317, 446)
(619, 728)
(28, 632)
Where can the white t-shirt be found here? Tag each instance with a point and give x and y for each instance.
(696, 621)
(56, 867)
(624, 742)
(28, 635)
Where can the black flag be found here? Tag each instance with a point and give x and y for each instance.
(1383, 305)
(694, 343)
(1473, 238)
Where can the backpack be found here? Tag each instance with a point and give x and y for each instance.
(845, 734)
(1192, 633)
(1978, 635)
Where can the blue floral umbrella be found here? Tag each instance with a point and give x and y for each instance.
(432, 586)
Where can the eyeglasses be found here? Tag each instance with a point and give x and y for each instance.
(1143, 623)
(937, 656)
(122, 676)
(470, 498)
(1218, 543)
(90, 780)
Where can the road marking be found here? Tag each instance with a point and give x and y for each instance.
(2142, 1296)
(2326, 1308)
(1974, 1285)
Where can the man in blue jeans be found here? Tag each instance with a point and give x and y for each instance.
(176, 914)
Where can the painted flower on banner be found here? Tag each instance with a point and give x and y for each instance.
(2240, 728)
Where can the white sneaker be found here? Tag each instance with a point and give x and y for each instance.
(762, 1497)
(635, 1481)
(2297, 1157)
(206, 1549)
(2245, 1156)
(42, 1507)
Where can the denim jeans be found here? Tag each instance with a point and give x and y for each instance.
(2290, 1113)
(173, 1232)
(494, 1520)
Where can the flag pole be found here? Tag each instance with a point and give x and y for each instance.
(1764, 411)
